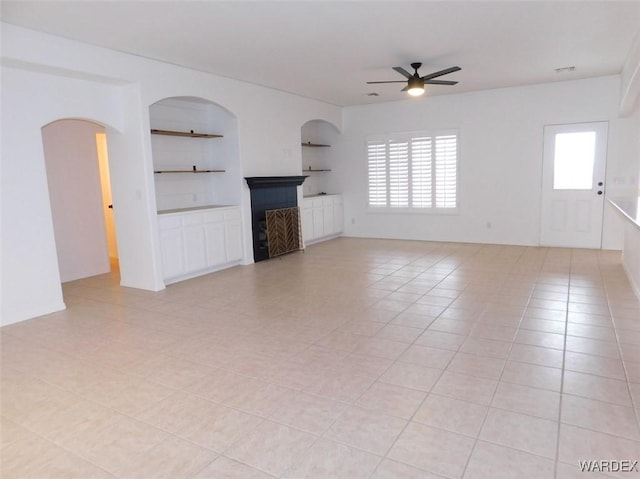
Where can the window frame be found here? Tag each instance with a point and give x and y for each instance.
(408, 136)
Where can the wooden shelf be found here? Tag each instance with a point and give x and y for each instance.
(188, 134)
(315, 145)
(189, 171)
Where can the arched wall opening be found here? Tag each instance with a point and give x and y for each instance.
(78, 178)
(192, 171)
(318, 140)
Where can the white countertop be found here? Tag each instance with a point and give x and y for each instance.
(192, 208)
(629, 207)
(320, 196)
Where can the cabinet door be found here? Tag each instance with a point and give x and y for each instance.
(216, 250)
(307, 224)
(171, 247)
(318, 222)
(195, 248)
(338, 216)
(233, 240)
(327, 216)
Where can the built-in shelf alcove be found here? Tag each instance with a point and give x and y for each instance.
(318, 139)
(194, 135)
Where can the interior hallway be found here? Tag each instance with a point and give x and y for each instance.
(357, 358)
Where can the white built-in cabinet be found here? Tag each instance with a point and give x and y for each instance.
(196, 176)
(199, 241)
(322, 218)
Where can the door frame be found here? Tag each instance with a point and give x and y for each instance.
(601, 127)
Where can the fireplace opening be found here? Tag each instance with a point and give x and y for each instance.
(262, 233)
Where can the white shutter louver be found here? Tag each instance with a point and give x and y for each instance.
(446, 171)
(421, 174)
(377, 173)
(398, 174)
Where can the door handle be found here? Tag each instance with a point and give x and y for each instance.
(110, 206)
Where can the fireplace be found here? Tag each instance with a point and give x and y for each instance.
(269, 193)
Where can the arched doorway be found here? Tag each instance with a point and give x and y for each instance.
(76, 160)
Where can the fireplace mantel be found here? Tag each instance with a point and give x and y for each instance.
(274, 181)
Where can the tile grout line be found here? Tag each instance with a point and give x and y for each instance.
(562, 370)
(486, 414)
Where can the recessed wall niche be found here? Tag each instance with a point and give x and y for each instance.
(195, 154)
(319, 157)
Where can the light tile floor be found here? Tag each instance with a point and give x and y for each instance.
(356, 359)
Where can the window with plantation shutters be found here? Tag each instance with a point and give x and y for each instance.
(413, 171)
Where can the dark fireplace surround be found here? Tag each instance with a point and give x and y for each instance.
(269, 193)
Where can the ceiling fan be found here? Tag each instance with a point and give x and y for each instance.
(415, 83)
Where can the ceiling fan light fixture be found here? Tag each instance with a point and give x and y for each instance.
(416, 90)
(415, 86)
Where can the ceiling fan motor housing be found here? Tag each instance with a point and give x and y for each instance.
(415, 82)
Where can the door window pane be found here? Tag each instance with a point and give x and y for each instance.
(573, 161)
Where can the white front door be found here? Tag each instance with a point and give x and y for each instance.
(573, 185)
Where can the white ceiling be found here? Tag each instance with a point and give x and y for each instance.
(329, 50)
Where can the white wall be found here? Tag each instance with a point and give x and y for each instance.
(500, 158)
(630, 97)
(631, 255)
(630, 80)
(75, 193)
(47, 78)
(630, 106)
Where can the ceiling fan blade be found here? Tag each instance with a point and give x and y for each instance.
(405, 88)
(441, 72)
(439, 82)
(393, 81)
(403, 72)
